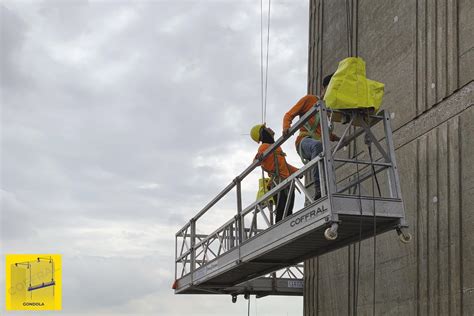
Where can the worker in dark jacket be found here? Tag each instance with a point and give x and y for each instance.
(275, 165)
(308, 142)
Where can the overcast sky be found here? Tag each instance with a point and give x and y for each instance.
(119, 121)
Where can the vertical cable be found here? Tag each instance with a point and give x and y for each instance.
(266, 67)
(263, 92)
(375, 253)
(374, 224)
(356, 284)
(348, 27)
(356, 33)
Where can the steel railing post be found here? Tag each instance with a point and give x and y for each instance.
(322, 179)
(394, 181)
(193, 250)
(328, 159)
(240, 220)
(328, 162)
(176, 257)
(233, 233)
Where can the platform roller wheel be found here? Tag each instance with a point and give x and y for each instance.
(330, 234)
(234, 298)
(405, 238)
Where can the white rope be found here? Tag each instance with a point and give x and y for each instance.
(264, 69)
(263, 91)
(349, 27)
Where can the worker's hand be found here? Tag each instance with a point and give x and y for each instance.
(335, 138)
(259, 156)
(286, 131)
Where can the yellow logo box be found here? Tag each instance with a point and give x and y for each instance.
(33, 282)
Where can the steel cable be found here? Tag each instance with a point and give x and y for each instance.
(266, 66)
(349, 27)
(374, 175)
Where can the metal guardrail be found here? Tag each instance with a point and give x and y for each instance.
(237, 230)
(196, 250)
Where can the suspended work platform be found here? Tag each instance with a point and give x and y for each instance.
(360, 197)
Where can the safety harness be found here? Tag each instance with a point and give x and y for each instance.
(275, 177)
(310, 132)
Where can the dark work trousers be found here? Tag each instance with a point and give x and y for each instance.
(281, 198)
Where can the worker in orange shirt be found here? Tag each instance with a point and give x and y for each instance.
(275, 165)
(308, 142)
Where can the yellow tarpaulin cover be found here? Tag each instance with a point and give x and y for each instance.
(349, 87)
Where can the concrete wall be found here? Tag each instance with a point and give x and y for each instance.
(424, 52)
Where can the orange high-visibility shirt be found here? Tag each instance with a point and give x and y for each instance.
(299, 109)
(284, 168)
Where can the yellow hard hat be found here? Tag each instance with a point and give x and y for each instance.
(255, 132)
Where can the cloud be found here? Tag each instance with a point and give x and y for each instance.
(120, 120)
(17, 218)
(12, 36)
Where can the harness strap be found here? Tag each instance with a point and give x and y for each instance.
(310, 132)
(299, 150)
(276, 165)
(275, 174)
(312, 128)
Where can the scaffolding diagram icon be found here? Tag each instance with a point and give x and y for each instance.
(33, 282)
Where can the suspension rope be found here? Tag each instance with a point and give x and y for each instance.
(356, 49)
(355, 292)
(349, 27)
(266, 67)
(264, 64)
(375, 226)
(374, 180)
(264, 88)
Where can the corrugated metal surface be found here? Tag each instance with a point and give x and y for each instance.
(424, 51)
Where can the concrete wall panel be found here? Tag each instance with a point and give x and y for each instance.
(454, 226)
(466, 130)
(466, 41)
(388, 26)
(334, 38)
(332, 291)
